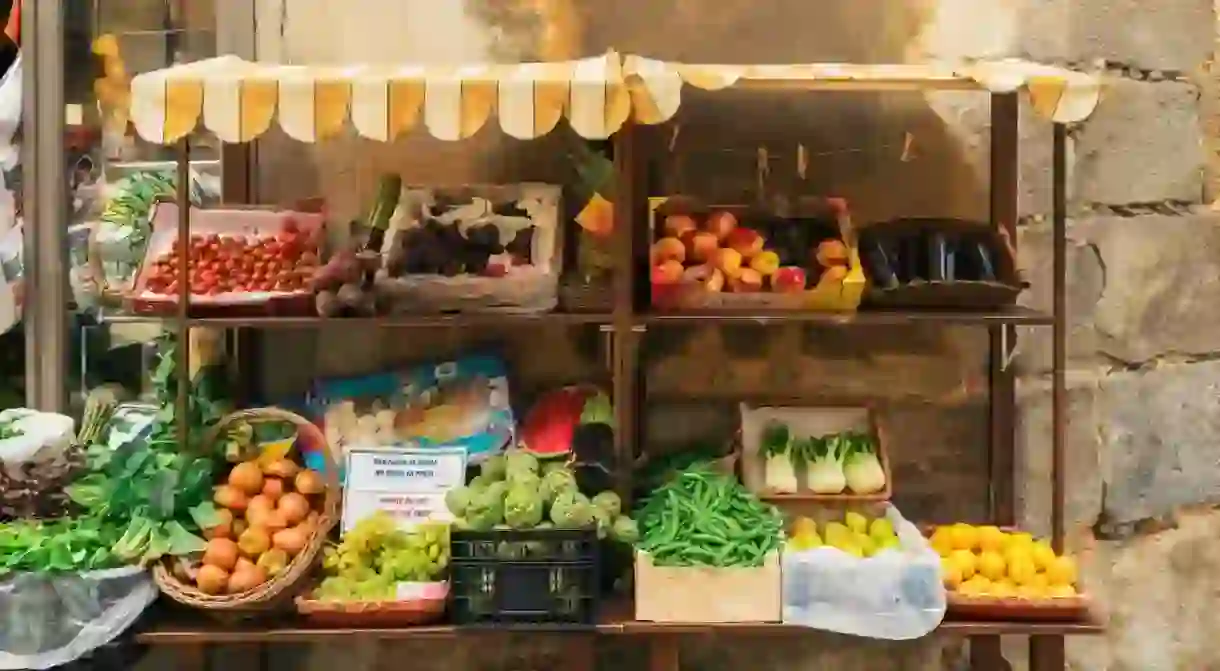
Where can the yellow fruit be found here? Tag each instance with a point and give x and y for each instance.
(1042, 554)
(852, 548)
(867, 545)
(856, 522)
(1039, 581)
(942, 541)
(1021, 568)
(992, 565)
(881, 529)
(804, 525)
(1003, 590)
(1061, 591)
(976, 586)
(1062, 571)
(1030, 592)
(964, 536)
(1018, 539)
(966, 561)
(836, 534)
(805, 540)
(951, 574)
(991, 539)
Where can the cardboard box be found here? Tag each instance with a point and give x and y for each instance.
(704, 594)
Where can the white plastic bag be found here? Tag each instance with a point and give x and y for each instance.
(50, 620)
(38, 435)
(894, 595)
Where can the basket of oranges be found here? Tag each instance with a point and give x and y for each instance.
(1001, 573)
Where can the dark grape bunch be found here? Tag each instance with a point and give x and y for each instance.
(439, 248)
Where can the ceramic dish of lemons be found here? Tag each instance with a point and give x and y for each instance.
(990, 563)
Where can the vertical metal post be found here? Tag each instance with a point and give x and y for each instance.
(44, 187)
(1059, 350)
(183, 350)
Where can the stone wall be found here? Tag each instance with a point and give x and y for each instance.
(1144, 263)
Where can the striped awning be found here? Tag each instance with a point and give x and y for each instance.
(1059, 95)
(238, 100)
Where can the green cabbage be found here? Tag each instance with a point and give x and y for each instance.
(522, 507)
(609, 502)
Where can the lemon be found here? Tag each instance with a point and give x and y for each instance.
(942, 541)
(976, 586)
(991, 539)
(856, 522)
(966, 561)
(1062, 571)
(836, 534)
(805, 540)
(852, 548)
(992, 565)
(890, 543)
(880, 528)
(1042, 554)
(964, 536)
(1021, 568)
(951, 574)
(1039, 581)
(1030, 592)
(1018, 539)
(804, 525)
(1061, 591)
(867, 545)
(1003, 590)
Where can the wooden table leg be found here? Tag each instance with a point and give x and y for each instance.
(663, 653)
(1046, 653)
(986, 654)
(580, 652)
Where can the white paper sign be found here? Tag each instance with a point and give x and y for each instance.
(409, 484)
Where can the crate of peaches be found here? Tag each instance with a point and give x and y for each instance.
(717, 258)
(999, 573)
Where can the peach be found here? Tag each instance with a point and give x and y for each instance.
(721, 223)
(727, 261)
(668, 249)
(667, 272)
(708, 277)
(677, 224)
(700, 245)
(746, 281)
(789, 279)
(765, 262)
(745, 241)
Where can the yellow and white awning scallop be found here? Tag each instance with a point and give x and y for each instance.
(238, 100)
(1057, 94)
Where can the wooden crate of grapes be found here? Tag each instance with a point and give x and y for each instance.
(490, 248)
(739, 258)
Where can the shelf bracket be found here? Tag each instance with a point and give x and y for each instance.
(1008, 346)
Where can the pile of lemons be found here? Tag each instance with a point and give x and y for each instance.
(987, 561)
(856, 535)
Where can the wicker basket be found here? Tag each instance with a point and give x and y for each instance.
(279, 590)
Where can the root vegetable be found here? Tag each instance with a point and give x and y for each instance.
(861, 468)
(220, 552)
(309, 483)
(258, 506)
(228, 496)
(212, 579)
(222, 530)
(350, 295)
(243, 564)
(247, 477)
(273, 488)
(294, 508)
(825, 472)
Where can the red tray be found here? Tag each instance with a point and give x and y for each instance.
(230, 221)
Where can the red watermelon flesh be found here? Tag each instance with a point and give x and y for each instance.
(550, 423)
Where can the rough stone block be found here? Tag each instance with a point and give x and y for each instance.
(1161, 439)
(1138, 287)
(1175, 35)
(1143, 144)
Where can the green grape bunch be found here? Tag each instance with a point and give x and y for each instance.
(376, 555)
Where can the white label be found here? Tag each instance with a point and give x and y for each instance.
(409, 484)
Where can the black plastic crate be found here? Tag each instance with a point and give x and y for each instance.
(543, 578)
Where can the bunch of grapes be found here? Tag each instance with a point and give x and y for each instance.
(376, 555)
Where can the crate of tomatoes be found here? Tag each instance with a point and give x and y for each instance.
(240, 262)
